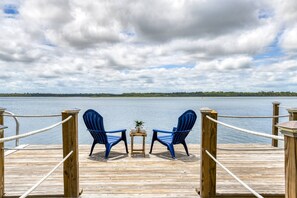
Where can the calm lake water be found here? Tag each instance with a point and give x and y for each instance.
(159, 113)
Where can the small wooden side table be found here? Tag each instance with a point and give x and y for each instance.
(134, 133)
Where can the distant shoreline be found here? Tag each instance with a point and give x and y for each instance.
(175, 94)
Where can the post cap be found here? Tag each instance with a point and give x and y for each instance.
(205, 110)
(2, 109)
(2, 127)
(292, 110)
(276, 102)
(288, 128)
(75, 110)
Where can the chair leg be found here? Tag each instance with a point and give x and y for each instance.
(153, 140)
(126, 146)
(186, 148)
(92, 148)
(108, 148)
(171, 149)
(152, 146)
(125, 141)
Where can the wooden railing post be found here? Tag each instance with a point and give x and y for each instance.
(275, 122)
(70, 143)
(289, 129)
(293, 114)
(1, 154)
(208, 142)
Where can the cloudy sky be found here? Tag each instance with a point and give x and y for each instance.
(114, 46)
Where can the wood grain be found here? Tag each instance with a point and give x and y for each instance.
(275, 122)
(2, 182)
(207, 165)
(156, 175)
(70, 143)
(138, 134)
(291, 166)
(293, 114)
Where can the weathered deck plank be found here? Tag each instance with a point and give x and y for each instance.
(157, 175)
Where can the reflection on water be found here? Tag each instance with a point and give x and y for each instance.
(159, 113)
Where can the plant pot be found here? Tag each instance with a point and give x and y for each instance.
(138, 129)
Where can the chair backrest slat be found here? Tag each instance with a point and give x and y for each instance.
(185, 124)
(94, 123)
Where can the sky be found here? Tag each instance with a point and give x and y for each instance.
(112, 46)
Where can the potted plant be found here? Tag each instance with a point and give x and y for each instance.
(138, 125)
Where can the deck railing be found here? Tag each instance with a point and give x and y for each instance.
(274, 120)
(209, 160)
(70, 151)
(17, 122)
(17, 125)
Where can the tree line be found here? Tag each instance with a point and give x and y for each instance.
(156, 94)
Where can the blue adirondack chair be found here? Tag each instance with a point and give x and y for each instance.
(94, 123)
(178, 135)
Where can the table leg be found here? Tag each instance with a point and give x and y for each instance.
(132, 138)
(143, 145)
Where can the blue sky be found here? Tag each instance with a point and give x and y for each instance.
(10, 9)
(89, 46)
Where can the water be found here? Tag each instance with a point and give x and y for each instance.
(159, 113)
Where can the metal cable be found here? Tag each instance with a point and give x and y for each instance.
(17, 126)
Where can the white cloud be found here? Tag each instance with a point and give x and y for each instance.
(286, 14)
(46, 13)
(289, 39)
(125, 46)
(248, 42)
(285, 11)
(226, 64)
(164, 20)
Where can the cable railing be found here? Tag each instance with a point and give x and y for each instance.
(274, 118)
(17, 125)
(284, 107)
(33, 132)
(15, 117)
(246, 130)
(234, 116)
(209, 149)
(233, 175)
(32, 116)
(46, 176)
(32, 149)
(70, 134)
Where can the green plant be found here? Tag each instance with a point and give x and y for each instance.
(138, 123)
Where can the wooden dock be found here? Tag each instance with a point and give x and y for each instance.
(156, 175)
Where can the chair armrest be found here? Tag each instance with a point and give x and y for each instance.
(161, 131)
(97, 131)
(182, 131)
(116, 131)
